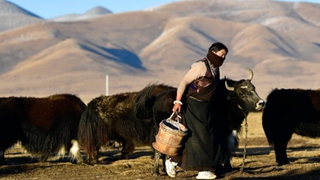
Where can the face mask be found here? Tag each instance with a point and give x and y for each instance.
(215, 60)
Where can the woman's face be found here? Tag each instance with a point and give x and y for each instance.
(222, 53)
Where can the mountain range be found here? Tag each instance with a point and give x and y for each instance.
(279, 41)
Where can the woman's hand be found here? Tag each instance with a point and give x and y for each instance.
(177, 106)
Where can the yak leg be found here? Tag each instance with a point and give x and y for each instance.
(88, 159)
(2, 160)
(164, 158)
(153, 153)
(128, 147)
(92, 157)
(95, 156)
(227, 166)
(280, 148)
(75, 152)
(78, 157)
(44, 158)
(157, 155)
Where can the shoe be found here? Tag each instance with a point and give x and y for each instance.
(171, 168)
(206, 175)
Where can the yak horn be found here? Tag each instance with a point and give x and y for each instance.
(228, 87)
(251, 73)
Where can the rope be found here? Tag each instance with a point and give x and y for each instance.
(245, 145)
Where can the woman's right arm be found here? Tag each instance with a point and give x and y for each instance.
(196, 70)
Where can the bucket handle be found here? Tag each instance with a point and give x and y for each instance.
(177, 118)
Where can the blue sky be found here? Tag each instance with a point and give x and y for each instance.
(55, 8)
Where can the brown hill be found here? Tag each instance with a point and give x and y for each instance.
(279, 41)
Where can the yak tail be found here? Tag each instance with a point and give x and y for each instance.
(92, 131)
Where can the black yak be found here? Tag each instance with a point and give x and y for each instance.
(290, 111)
(232, 103)
(42, 125)
(112, 118)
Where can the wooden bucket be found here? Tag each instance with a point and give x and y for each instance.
(169, 137)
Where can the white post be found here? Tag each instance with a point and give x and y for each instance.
(107, 84)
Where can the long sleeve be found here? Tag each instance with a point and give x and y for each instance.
(197, 70)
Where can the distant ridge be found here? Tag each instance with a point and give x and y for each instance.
(92, 13)
(12, 16)
(99, 10)
(8, 8)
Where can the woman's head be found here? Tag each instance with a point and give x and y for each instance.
(219, 49)
(217, 53)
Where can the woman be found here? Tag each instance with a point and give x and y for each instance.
(201, 151)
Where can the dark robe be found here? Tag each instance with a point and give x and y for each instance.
(201, 149)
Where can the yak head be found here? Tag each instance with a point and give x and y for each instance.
(244, 93)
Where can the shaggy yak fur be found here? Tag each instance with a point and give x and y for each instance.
(290, 111)
(42, 125)
(111, 118)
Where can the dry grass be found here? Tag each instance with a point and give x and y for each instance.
(304, 154)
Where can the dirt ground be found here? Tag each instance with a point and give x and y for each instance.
(303, 153)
